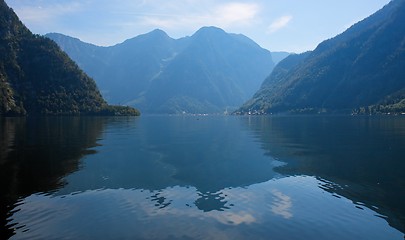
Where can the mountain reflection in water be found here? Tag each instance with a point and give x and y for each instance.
(182, 151)
(362, 157)
(204, 177)
(36, 153)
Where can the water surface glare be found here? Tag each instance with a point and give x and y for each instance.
(203, 177)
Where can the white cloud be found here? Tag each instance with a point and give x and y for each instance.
(232, 13)
(282, 204)
(279, 23)
(91, 20)
(107, 22)
(223, 15)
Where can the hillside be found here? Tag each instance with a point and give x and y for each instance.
(360, 70)
(36, 77)
(272, 84)
(279, 56)
(205, 73)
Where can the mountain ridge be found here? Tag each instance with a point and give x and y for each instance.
(358, 69)
(203, 73)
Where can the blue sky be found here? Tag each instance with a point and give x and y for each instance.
(288, 25)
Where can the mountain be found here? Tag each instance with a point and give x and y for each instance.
(206, 73)
(274, 84)
(36, 77)
(279, 56)
(124, 70)
(360, 70)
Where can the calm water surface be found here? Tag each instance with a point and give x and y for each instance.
(203, 177)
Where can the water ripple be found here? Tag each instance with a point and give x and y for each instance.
(278, 208)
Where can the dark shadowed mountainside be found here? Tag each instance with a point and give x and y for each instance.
(361, 70)
(273, 84)
(36, 77)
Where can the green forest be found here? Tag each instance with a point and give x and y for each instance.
(38, 78)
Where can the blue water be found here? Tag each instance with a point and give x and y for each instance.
(203, 177)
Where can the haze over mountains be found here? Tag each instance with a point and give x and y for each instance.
(361, 70)
(206, 73)
(358, 71)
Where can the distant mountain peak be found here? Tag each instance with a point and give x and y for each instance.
(208, 72)
(54, 35)
(210, 31)
(155, 35)
(157, 32)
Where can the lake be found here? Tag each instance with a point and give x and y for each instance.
(203, 177)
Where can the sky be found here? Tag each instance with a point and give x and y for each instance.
(277, 25)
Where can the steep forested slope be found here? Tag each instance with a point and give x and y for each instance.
(36, 77)
(361, 69)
